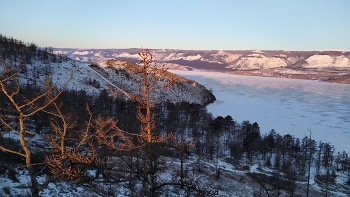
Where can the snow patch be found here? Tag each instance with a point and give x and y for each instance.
(319, 61)
(191, 58)
(127, 55)
(60, 52)
(81, 53)
(322, 61)
(259, 61)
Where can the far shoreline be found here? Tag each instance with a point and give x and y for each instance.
(338, 77)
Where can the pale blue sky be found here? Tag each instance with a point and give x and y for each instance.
(177, 24)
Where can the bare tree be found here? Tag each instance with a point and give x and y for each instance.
(74, 151)
(148, 79)
(84, 146)
(149, 145)
(19, 107)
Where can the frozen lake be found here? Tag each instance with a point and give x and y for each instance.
(287, 105)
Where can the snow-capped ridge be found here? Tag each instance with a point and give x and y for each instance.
(230, 59)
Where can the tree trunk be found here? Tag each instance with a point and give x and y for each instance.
(34, 183)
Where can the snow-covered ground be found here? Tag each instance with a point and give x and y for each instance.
(286, 105)
(93, 80)
(289, 106)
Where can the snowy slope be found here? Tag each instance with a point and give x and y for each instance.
(119, 73)
(94, 80)
(317, 61)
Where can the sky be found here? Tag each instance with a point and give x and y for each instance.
(180, 24)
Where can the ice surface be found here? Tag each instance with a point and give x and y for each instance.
(287, 105)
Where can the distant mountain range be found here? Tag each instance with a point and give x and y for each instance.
(333, 66)
(222, 60)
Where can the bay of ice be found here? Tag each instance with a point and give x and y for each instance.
(290, 106)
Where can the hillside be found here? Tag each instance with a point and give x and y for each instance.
(121, 73)
(332, 66)
(93, 80)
